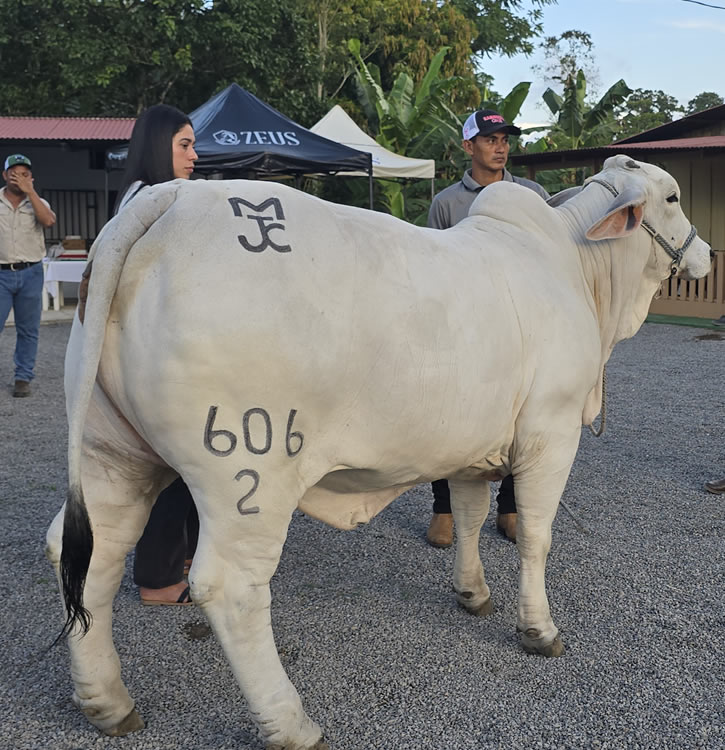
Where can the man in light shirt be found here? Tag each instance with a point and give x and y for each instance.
(23, 217)
(486, 141)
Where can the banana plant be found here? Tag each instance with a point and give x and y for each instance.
(579, 124)
(510, 106)
(409, 120)
(405, 114)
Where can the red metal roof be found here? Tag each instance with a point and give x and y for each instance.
(66, 128)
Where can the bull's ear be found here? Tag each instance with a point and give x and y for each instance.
(623, 216)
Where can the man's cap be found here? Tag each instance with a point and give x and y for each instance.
(17, 159)
(485, 122)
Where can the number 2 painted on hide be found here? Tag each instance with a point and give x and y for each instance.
(255, 483)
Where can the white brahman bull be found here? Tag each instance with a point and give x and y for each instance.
(281, 352)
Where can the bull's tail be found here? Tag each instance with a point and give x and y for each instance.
(75, 560)
(109, 254)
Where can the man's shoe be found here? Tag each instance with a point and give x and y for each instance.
(22, 389)
(440, 531)
(506, 525)
(717, 487)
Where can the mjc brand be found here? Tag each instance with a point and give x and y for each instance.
(256, 138)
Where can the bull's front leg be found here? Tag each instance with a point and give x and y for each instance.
(470, 501)
(539, 483)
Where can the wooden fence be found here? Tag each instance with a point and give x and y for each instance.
(703, 298)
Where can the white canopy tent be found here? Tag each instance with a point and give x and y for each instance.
(338, 126)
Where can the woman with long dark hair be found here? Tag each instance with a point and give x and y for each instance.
(162, 149)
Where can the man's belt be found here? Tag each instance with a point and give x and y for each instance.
(18, 266)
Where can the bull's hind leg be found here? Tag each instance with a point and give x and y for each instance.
(470, 501)
(240, 543)
(118, 508)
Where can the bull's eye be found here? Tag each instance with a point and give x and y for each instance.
(672, 198)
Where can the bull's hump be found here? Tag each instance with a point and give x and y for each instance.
(511, 203)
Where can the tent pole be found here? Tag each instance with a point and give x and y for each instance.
(370, 186)
(432, 187)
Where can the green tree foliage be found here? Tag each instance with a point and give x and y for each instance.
(398, 35)
(645, 109)
(100, 58)
(566, 54)
(705, 100)
(503, 27)
(333, 23)
(395, 36)
(114, 57)
(266, 46)
(414, 31)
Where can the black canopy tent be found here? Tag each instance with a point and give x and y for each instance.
(239, 135)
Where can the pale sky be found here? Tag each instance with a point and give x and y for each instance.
(672, 45)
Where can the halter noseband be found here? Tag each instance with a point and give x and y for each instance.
(676, 255)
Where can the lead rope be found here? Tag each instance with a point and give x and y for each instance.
(577, 522)
(597, 432)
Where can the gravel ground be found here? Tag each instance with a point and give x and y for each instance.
(365, 621)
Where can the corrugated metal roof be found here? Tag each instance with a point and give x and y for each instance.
(560, 158)
(66, 128)
(705, 119)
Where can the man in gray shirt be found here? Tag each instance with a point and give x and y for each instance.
(486, 141)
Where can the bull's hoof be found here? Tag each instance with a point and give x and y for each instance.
(555, 648)
(132, 723)
(482, 610)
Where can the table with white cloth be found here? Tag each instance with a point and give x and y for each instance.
(56, 272)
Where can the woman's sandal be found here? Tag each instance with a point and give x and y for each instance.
(183, 601)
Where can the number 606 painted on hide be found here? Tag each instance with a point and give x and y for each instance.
(210, 434)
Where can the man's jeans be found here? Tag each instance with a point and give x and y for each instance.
(23, 292)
